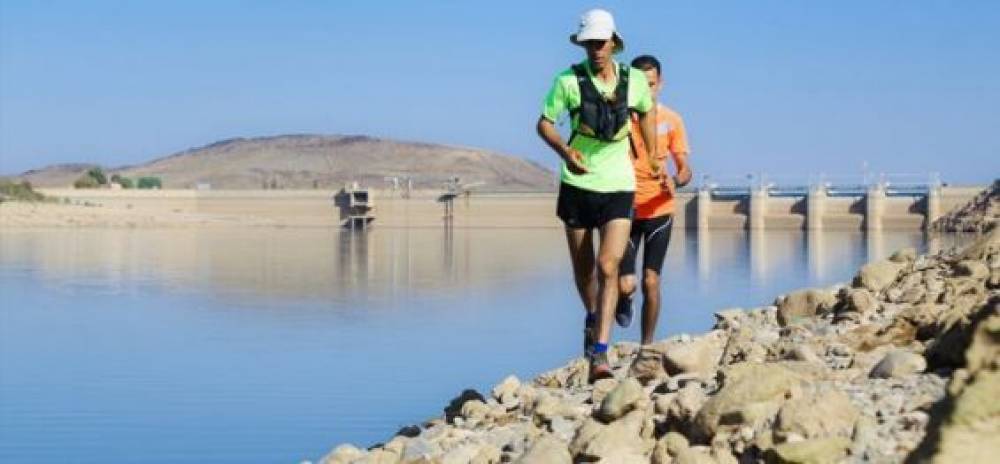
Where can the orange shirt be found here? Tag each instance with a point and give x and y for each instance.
(651, 200)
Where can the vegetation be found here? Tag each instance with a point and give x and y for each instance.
(149, 182)
(86, 182)
(93, 178)
(20, 191)
(125, 182)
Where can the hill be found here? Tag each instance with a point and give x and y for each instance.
(321, 161)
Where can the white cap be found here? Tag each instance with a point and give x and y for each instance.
(597, 24)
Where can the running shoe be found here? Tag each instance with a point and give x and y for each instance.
(623, 312)
(599, 367)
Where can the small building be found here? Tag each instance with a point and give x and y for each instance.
(356, 206)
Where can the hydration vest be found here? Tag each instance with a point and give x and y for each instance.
(600, 117)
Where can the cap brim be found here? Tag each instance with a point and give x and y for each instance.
(619, 43)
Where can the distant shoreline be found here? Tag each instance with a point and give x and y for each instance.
(316, 208)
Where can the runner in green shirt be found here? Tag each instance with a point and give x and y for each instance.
(597, 179)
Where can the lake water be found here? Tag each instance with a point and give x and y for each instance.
(273, 345)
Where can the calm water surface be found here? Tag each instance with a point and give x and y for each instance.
(273, 345)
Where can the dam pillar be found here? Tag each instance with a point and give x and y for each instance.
(933, 206)
(874, 208)
(704, 206)
(815, 203)
(758, 208)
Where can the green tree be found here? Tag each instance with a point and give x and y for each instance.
(149, 182)
(86, 182)
(98, 175)
(125, 182)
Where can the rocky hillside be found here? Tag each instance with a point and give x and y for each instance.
(980, 215)
(902, 364)
(321, 161)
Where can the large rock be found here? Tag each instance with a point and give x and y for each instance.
(861, 300)
(701, 355)
(619, 441)
(818, 451)
(877, 276)
(749, 390)
(487, 454)
(547, 450)
(454, 408)
(983, 247)
(379, 456)
(668, 447)
(965, 426)
(506, 391)
(694, 456)
(343, 454)
(803, 304)
(620, 400)
(823, 414)
(420, 447)
(947, 350)
(904, 255)
(685, 404)
(972, 269)
(647, 366)
(898, 364)
(601, 388)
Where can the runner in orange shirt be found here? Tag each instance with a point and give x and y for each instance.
(654, 205)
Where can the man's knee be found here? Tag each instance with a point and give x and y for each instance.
(608, 266)
(651, 283)
(626, 283)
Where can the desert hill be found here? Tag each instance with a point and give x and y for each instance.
(321, 161)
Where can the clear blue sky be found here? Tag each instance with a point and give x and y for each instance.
(783, 86)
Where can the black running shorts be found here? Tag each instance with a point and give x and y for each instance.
(654, 233)
(583, 209)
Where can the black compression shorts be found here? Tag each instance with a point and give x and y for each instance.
(654, 233)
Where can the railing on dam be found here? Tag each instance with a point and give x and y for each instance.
(778, 185)
(815, 201)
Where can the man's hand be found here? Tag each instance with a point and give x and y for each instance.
(574, 160)
(684, 173)
(667, 182)
(684, 176)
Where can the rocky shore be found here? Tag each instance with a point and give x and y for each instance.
(980, 215)
(900, 365)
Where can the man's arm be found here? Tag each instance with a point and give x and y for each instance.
(679, 152)
(573, 158)
(647, 123)
(684, 173)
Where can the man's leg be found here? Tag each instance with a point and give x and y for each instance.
(626, 276)
(650, 304)
(581, 254)
(654, 252)
(614, 238)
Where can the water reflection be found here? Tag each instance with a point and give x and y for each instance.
(773, 254)
(384, 263)
(379, 263)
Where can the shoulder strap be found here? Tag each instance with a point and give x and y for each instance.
(621, 91)
(582, 79)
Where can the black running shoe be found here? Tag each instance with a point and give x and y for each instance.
(623, 312)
